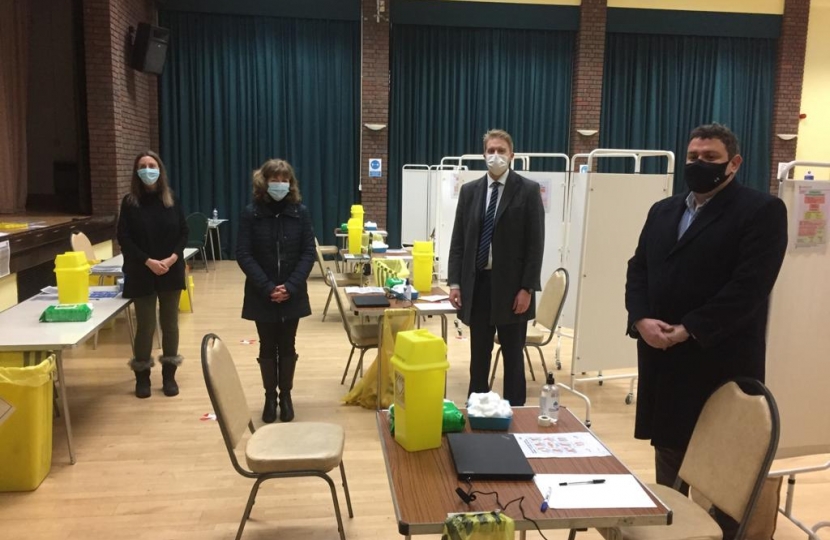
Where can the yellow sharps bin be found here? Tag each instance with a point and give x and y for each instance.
(419, 366)
(72, 272)
(26, 432)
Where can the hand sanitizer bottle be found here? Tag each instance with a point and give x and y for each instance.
(549, 398)
(809, 176)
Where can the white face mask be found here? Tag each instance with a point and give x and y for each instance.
(496, 164)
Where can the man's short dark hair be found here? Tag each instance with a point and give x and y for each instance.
(719, 132)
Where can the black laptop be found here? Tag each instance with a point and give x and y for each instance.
(488, 456)
(370, 300)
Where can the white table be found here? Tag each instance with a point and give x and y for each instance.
(113, 267)
(213, 226)
(20, 330)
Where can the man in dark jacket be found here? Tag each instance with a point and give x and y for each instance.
(495, 262)
(697, 293)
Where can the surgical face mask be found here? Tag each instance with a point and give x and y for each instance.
(703, 177)
(148, 176)
(278, 190)
(496, 164)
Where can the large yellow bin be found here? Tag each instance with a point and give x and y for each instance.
(422, 263)
(419, 366)
(72, 272)
(26, 434)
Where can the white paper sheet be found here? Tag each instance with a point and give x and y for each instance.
(441, 307)
(560, 445)
(434, 297)
(364, 290)
(618, 491)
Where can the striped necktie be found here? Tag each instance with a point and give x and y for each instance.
(487, 228)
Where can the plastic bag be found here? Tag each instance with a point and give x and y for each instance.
(453, 420)
(487, 526)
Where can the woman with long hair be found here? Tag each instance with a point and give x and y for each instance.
(276, 251)
(152, 232)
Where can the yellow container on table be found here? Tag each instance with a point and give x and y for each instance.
(422, 259)
(419, 367)
(184, 299)
(357, 212)
(355, 235)
(26, 450)
(72, 272)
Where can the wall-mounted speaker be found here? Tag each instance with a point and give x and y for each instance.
(150, 48)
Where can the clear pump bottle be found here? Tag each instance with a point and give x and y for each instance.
(549, 398)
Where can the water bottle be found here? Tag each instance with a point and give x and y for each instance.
(809, 176)
(549, 398)
(215, 213)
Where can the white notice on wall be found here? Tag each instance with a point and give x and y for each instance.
(375, 168)
(811, 217)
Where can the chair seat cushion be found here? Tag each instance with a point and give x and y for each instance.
(298, 446)
(329, 250)
(689, 521)
(364, 334)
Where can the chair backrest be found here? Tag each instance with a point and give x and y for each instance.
(552, 300)
(344, 313)
(321, 262)
(80, 242)
(197, 224)
(732, 447)
(225, 391)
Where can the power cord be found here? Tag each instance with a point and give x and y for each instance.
(470, 495)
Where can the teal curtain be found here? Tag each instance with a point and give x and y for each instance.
(656, 89)
(239, 90)
(450, 85)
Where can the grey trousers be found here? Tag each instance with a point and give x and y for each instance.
(145, 312)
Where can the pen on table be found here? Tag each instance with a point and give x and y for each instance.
(545, 505)
(594, 481)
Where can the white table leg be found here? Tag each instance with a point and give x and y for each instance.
(219, 243)
(212, 251)
(65, 405)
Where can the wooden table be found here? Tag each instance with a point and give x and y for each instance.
(424, 309)
(21, 331)
(423, 485)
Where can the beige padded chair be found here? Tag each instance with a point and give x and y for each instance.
(540, 331)
(363, 336)
(283, 450)
(727, 462)
(80, 242)
(343, 279)
(329, 251)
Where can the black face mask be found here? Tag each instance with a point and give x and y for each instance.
(703, 177)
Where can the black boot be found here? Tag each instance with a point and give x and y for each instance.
(286, 367)
(268, 369)
(168, 377)
(142, 376)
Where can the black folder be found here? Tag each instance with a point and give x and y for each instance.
(370, 300)
(488, 456)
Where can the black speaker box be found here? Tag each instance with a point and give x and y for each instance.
(150, 48)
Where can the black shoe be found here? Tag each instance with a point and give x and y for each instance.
(168, 380)
(286, 407)
(142, 384)
(269, 411)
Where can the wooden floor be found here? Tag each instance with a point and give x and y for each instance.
(152, 469)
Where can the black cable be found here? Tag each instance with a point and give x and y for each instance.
(470, 495)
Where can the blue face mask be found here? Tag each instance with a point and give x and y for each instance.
(148, 176)
(278, 190)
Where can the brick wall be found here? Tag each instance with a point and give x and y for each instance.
(789, 77)
(586, 100)
(122, 104)
(374, 96)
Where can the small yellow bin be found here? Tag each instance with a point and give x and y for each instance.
(422, 264)
(184, 299)
(26, 435)
(72, 272)
(419, 366)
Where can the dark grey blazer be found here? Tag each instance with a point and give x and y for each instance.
(518, 246)
(716, 281)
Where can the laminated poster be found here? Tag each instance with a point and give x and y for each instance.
(811, 216)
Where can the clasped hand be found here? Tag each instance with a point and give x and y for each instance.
(661, 335)
(163, 266)
(280, 294)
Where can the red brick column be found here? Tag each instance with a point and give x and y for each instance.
(789, 78)
(589, 58)
(374, 102)
(122, 104)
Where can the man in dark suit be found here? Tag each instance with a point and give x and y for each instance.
(697, 293)
(495, 263)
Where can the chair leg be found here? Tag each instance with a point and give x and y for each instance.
(542, 356)
(204, 258)
(529, 365)
(248, 507)
(495, 365)
(346, 489)
(336, 503)
(358, 368)
(349, 363)
(326, 309)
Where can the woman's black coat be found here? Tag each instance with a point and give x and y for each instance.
(275, 247)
